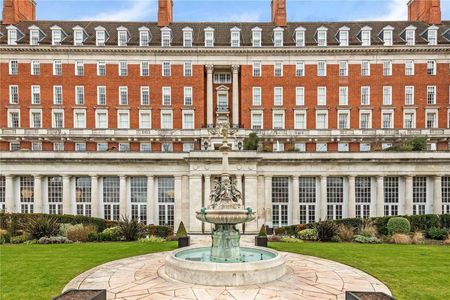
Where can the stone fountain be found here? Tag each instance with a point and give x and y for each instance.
(225, 263)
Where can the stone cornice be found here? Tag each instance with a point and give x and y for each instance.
(380, 50)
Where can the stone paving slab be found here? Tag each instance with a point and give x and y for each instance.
(142, 277)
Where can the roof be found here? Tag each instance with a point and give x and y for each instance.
(222, 31)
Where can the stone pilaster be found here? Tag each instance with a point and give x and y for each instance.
(123, 197)
(295, 203)
(96, 202)
(68, 207)
(195, 202)
(251, 184)
(177, 204)
(235, 69)
(408, 196)
(38, 199)
(151, 201)
(323, 198)
(437, 195)
(268, 200)
(209, 95)
(380, 196)
(206, 200)
(10, 199)
(351, 213)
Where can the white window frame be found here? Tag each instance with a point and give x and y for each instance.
(123, 101)
(409, 95)
(256, 37)
(343, 95)
(297, 114)
(38, 99)
(99, 100)
(166, 37)
(259, 113)
(101, 64)
(278, 37)
(281, 113)
(388, 36)
(367, 73)
(144, 69)
(300, 95)
(144, 37)
(300, 37)
(188, 69)
(411, 112)
(385, 112)
(235, 37)
(166, 91)
(143, 113)
(188, 37)
(322, 36)
(387, 95)
(322, 112)
(188, 98)
(366, 36)
(145, 90)
(343, 112)
(123, 112)
(55, 93)
(75, 123)
(190, 113)
(278, 96)
(14, 91)
(257, 69)
(166, 69)
(321, 97)
(365, 95)
(209, 37)
(98, 122)
(321, 68)
(369, 121)
(344, 36)
(54, 112)
(79, 100)
(166, 112)
(13, 111)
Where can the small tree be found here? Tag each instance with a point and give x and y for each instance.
(251, 142)
(262, 231)
(181, 232)
(419, 143)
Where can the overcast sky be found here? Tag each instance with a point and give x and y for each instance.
(227, 10)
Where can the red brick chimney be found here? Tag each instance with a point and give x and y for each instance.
(165, 12)
(428, 11)
(279, 13)
(15, 11)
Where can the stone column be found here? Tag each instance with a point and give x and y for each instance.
(251, 184)
(177, 205)
(268, 200)
(38, 201)
(68, 207)
(408, 200)
(295, 205)
(96, 202)
(151, 201)
(185, 217)
(260, 206)
(195, 202)
(123, 207)
(437, 195)
(10, 199)
(380, 196)
(351, 197)
(235, 69)
(209, 95)
(323, 198)
(206, 200)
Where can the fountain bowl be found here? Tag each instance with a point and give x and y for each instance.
(187, 265)
(226, 216)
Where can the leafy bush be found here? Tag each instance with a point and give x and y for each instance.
(366, 240)
(398, 225)
(156, 230)
(401, 238)
(308, 234)
(263, 231)
(152, 239)
(131, 229)
(444, 220)
(19, 239)
(181, 232)
(355, 223)
(416, 144)
(336, 239)
(437, 233)
(92, 237)
(80, 232)
(251, 142)
(4, 237)
(423, 222)
(42, 226)
(287, 239)
(112, 234)
(287, 230)
(345, 233)
(326, 230)
(54, 240)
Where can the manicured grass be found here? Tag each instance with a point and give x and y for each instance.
(410, 271)
(42, 271)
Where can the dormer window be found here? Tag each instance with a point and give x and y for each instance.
(300, 37)
(410, 35)
(209, 37)
(256, 37)
(321, 36)
(388, 33)
(100, 36)
(144, 36)
(187, 37)
(166, 37)
(366, 36)
(343, 36)
(34, 35)
(235, 37)
(78, 36)
(278, 37)
(122, 36)
(432, 34)
(57, 35)
(12, 35)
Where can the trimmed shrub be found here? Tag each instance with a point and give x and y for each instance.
(263, 231)
(326, 230)
(131, 229)
(400, 238)
(42, 226)
(80, 232)
(398, 225)
(157, 230)
(423, 222)
(112, 234)
(251, 142)
(287, 239)
(444, 220)
(181, 232)
(355, 223)
(54, 240)
(345, 233)
(437, 233)
(308, 234)
(366, 240)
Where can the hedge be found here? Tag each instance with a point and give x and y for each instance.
(18, 219)
(418, 223)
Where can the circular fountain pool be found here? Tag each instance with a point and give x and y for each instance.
(193, 265)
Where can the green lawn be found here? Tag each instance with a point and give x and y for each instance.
(42, 271)
(410, 271)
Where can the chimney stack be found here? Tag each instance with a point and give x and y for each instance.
(165, 12)
(15, 11)
(428, 11)
(279, 13)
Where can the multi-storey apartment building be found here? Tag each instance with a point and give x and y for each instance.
(120, 118)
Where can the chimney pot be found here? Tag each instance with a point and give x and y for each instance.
(279, 13)
(165, 12)
(15, 11)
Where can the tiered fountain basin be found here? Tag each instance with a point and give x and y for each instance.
(193, 265)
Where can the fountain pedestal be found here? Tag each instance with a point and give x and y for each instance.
(225, 244)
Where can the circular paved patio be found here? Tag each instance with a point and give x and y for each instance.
(143, 277)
